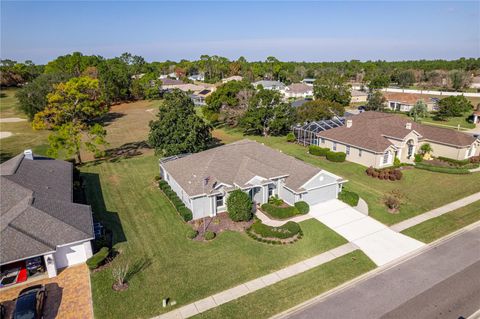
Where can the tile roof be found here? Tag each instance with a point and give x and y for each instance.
(36, 209)
(370, 129)
(299, 88)
(406, 98)
(236, 164)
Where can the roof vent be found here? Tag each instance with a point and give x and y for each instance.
(28, 154)
(349, 123)
(408, 126)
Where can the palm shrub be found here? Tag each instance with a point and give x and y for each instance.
(239, 206)
(209, 235)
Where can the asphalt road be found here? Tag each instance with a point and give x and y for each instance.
(443, 282)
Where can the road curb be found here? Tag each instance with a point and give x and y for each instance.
(375, 271)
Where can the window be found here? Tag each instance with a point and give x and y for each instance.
(271, 188)
(334, 146)
(323, 140)
(359, 153)
(385, 157)
(470, 151)
(347, 150)
(219, 200)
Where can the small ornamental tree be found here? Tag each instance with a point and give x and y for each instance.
(239, 206)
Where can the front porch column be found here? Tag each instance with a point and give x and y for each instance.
(50, 265)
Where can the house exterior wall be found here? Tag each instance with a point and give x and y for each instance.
(321, 194)
(367, 158)
(358, 99)
(176, 187)
(72, 254)
(452, 152)
(202, 207)
(287, 195)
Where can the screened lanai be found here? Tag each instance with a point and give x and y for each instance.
(306, 134)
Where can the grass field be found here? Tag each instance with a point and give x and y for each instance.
(292, 291)
(152, 236)
(445, 224)
(422, 190)
(453, 122)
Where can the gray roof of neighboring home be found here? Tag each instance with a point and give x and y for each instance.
(267, 83)
(36, 209)
(236, 164)
(298, 103)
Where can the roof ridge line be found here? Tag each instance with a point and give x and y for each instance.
(32, 236)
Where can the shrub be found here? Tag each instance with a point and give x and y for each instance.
(454, 161)
(396, 162)
(287, 230)
(393, 200)
(96, 260)
(398, 174)
(336, 156)
(317, 150)
(291, 137)
(280, 212)
(239, 206)
(302, 207)
(157, 178)
(370, 171)
(418, 158)
(439, 169)
(209, 235)
(475, 159)
(350, 198)
(274, 200)
(192, 233)
(384, 174)
(185, 213)
(163, 185)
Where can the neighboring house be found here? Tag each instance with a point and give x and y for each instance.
(40, 224)
(203, 180)
(298, 90)
(170, 84)
(232, 78)
(199, 98)
(270, 85)
(298, 103)
(172, 75)
(138, 76)
(475, 84)
(358, 96)
(308, 81)
(197, 77)
(404, 102)
(375, 139)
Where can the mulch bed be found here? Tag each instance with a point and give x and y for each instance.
(218, 224)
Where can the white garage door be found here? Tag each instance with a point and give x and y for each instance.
(320, 195)
(70, 255)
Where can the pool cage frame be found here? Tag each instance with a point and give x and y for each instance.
(306, 134)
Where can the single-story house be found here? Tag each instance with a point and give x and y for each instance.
(204, 180)
(375, 139)
(404, 102)
(199, 98)
(298, 90)
(298, 103)
(232, 78)
(172, 75)
(308, 81)
(197, 77)
(42, 229)
(270, 85)
(358, 96)
(170, 84)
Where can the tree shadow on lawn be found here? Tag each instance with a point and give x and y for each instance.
(138, 266)
(94, 195)
(110, 117)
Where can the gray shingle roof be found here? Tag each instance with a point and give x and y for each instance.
(36, 209)
(236, 164)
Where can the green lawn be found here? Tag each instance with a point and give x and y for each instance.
(453, 121)
(152, 236)
(292, 291)
(422, 190)
(443, 225)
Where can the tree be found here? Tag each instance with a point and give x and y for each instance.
(426, 149)
(146, 87)
(375, 102)
(453, 106)
(459, 79)
(319, 110)
(239, 206)
(267, 115)
(330, 86)
(115, 79)
(178, 129)
(71, 112)
(379, 82)
(33, 95)
(419, 110)
(406, 78)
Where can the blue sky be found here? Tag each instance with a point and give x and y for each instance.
(300, 31)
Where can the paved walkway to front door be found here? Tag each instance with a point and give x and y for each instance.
(376, 240)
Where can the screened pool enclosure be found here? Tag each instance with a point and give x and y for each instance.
(306, 134)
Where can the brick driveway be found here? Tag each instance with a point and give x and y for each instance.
(68, 295)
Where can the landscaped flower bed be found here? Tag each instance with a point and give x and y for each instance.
(278, 209)
(288, 233)
(350, 198)
(392, 174)
(217, 224)
(182, 210)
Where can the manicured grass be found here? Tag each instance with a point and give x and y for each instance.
(452, 121)
(422, 190)
(152, 236)
(292, 291)
(445, 224)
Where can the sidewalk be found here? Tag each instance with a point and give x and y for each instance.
(244, 289)
(275, 222)
(435, 212)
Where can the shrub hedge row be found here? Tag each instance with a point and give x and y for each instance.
(317, 150)
(97, 260)
(182, 210)
(439, 169)
(386, 174)
(336, 156)
(454, 161)
(350, 198)
(264, 233)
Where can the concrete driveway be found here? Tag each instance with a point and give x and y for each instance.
(376, 240)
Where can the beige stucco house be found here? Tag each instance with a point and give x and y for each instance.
(375, 139)
(404, 102)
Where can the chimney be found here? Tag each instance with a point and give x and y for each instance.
(408, 126)
(349, 123)
(28, 154)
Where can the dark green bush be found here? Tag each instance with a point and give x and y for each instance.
(418, 158)
(302, 207)
(209, 235)
(336, 156)
(317, 150)
(163, 185)
(157, 178)
(274, 200)
(291, 137)
(350, 198)
(280, 212)
(439, 169)
(454, 161)
(192, 233)
(239, 206)
(185, 213)
(287, 230)
(96, 260)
